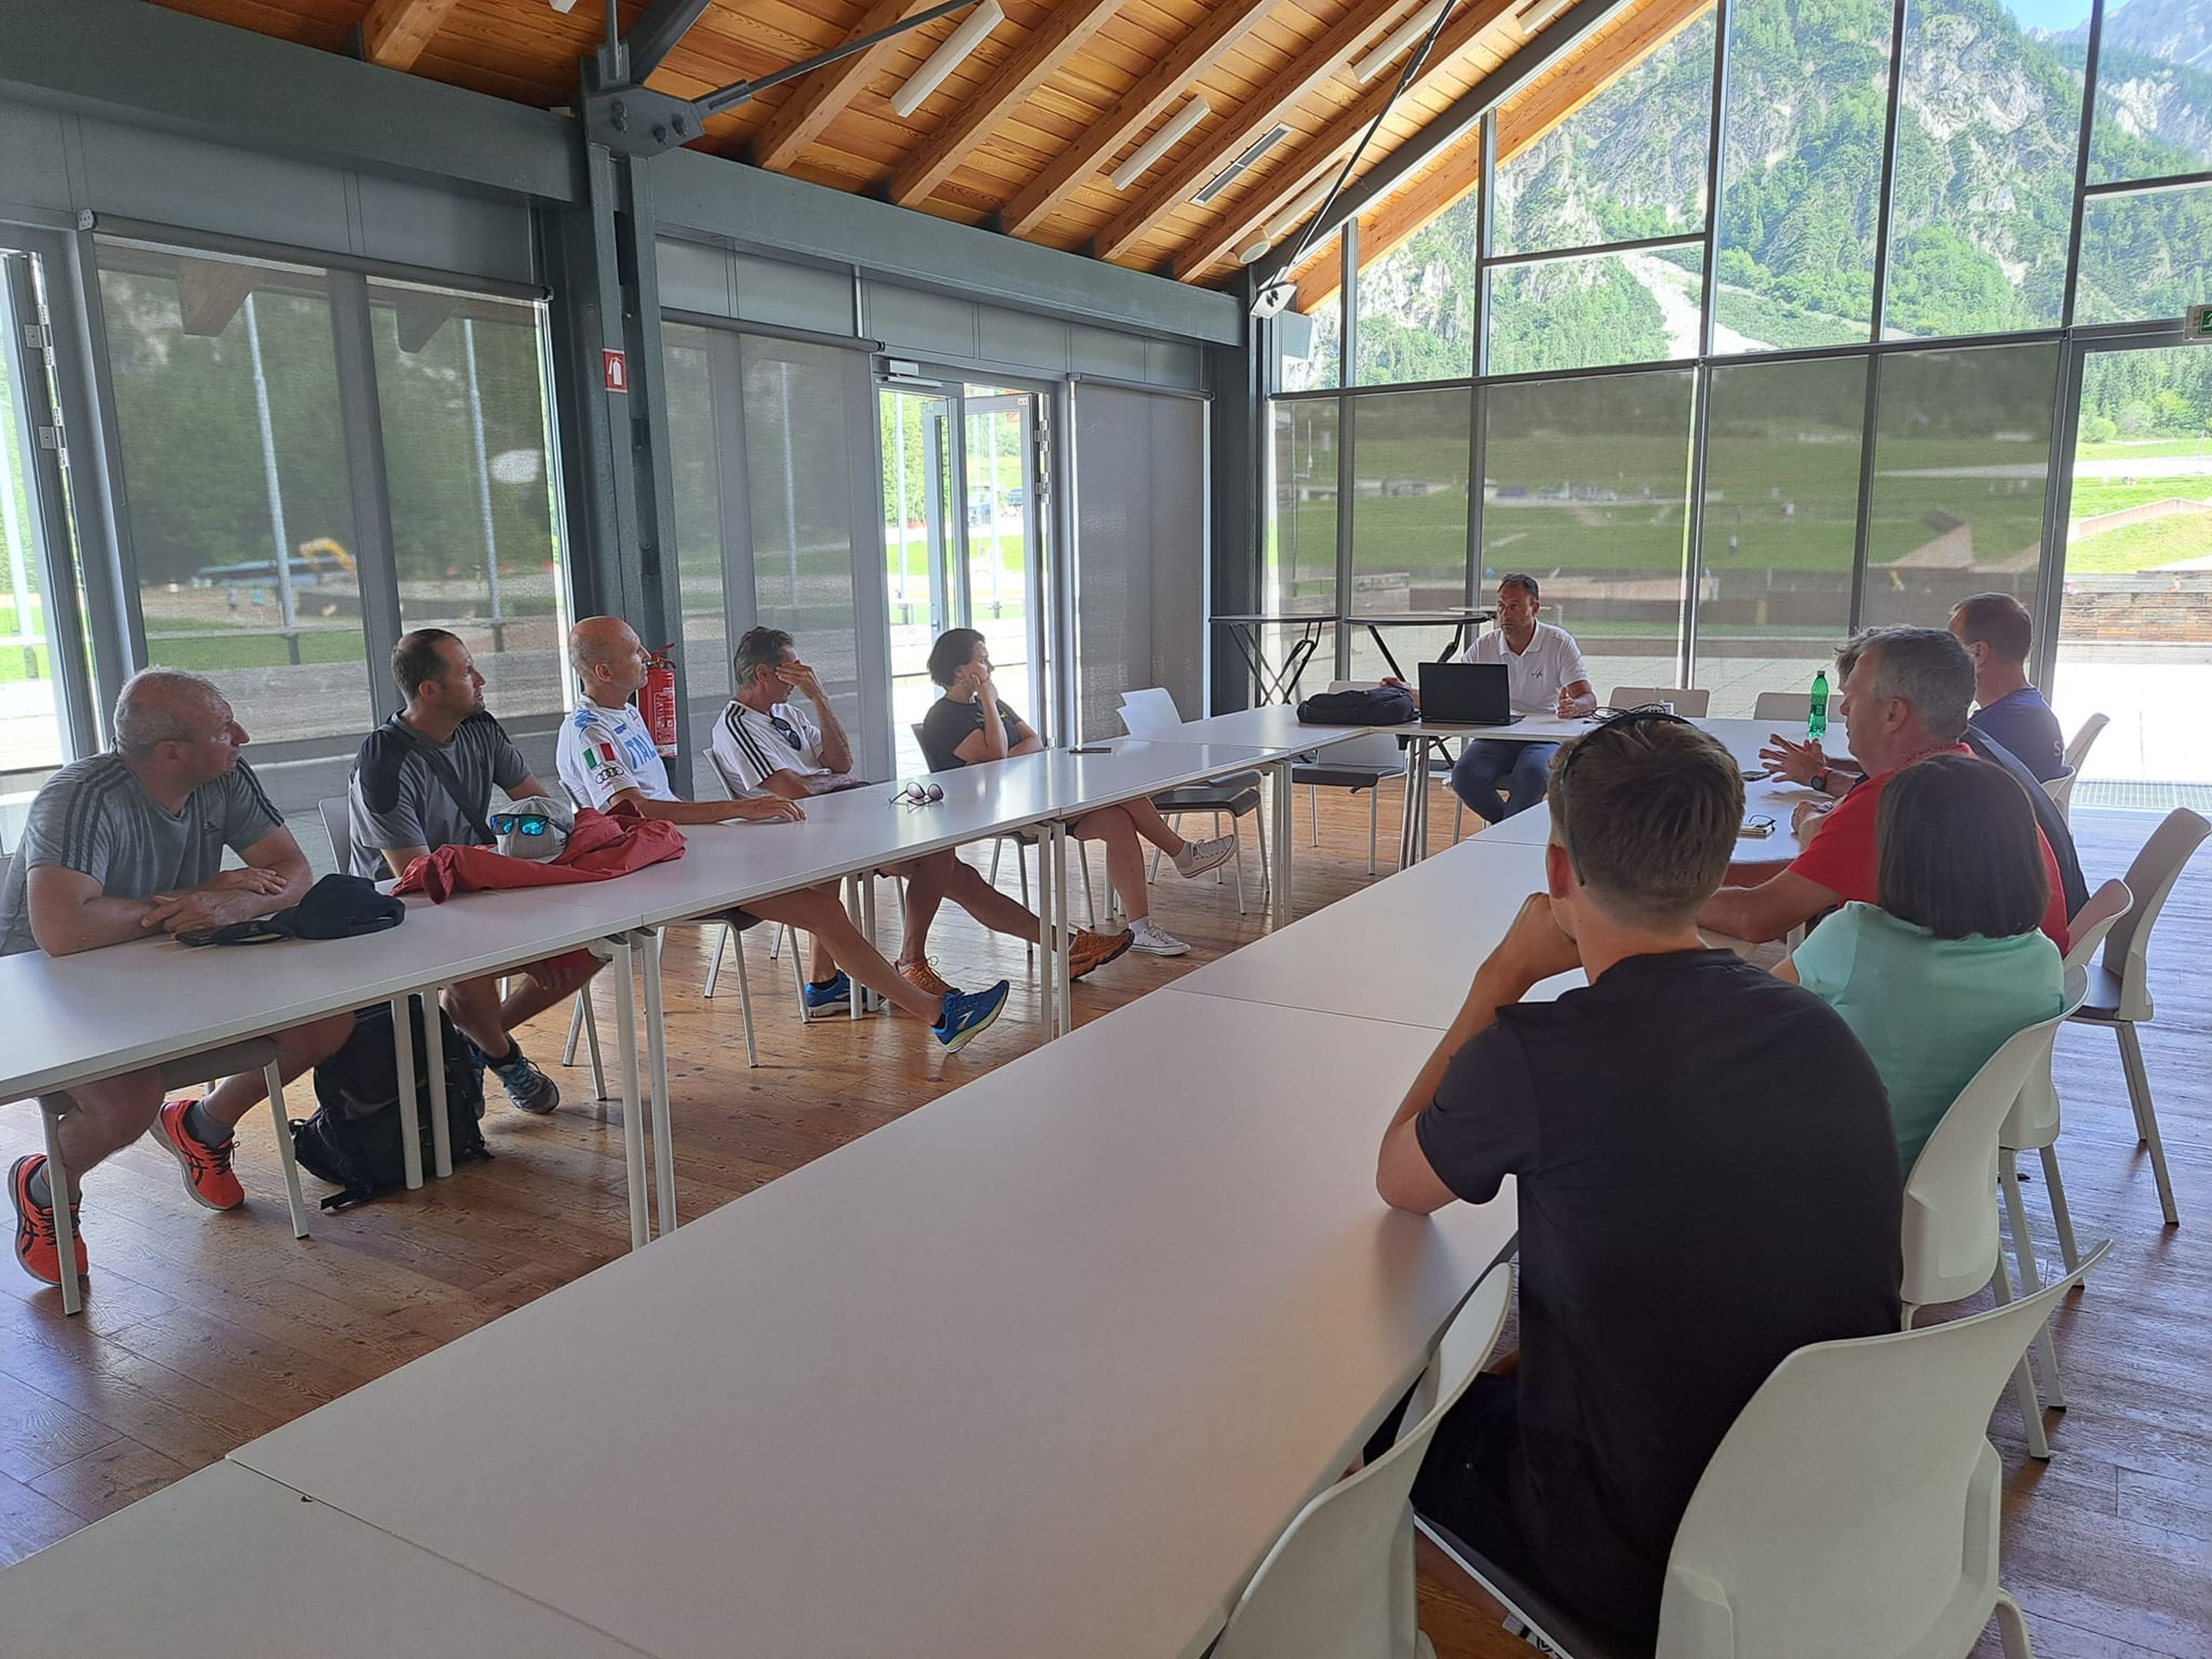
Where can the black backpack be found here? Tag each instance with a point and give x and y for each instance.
(1386, 704)
(354, 1141)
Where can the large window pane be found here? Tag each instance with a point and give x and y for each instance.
(460, 384)
(1417, 303)
(1801, 173)
(1409, 460)
(234, 470)
(1988, 123)
(1628, 165)
(799, 422)
(1780, 513)
(1298, 576)
(1584, 487)
(2154, 90)
(1595, 311)
(1962, 447)
(694, 467)
(2144, 255)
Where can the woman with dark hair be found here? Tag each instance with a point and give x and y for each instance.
(1953, 960)
(971, 724)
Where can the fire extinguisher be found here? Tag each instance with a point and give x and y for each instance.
(656, 700)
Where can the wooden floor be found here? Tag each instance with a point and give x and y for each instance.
(202, 1331)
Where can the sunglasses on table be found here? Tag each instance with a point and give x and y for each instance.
(519, 824)
(920, 794)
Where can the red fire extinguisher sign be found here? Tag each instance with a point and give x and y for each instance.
(656, 700)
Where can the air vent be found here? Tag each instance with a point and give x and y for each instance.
(1243, 164)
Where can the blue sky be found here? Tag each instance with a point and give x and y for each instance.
(2053, 14)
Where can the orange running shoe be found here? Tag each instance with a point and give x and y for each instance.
(925, 979)
(36, 1247)
(207, 1168)
(1087, 950)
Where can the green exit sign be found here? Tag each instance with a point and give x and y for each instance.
(2197, 324)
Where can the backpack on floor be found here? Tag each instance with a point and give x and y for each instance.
(354, 1139)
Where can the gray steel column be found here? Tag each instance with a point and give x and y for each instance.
(361, 420)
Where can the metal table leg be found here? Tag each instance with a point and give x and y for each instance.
(1278, 897)
(656, 1048)
(1063, 990)
(1048, 931)
(411, 1109)
(633, 1096)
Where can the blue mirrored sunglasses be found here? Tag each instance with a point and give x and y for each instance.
(520, 824)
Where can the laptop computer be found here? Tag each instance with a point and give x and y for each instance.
(1466, 694)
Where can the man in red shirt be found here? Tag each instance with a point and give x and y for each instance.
(1906, 698)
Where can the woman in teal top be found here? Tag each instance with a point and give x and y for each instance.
(1953, 961)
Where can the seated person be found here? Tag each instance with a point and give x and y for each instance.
(971, 724)
(607, 758)
(1905, 695)
(1683, 1228)
(1546, 676)
(1996, 631)
(423, 781)
(124, 846)
(1951, 961)
(765, 744)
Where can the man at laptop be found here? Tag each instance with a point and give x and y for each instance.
(1544, 676)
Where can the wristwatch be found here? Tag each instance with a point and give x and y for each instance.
(1819, 782)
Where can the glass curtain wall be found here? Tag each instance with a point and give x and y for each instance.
(1866, 350)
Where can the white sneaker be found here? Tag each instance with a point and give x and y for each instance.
(1198, 857)
(1154, 940)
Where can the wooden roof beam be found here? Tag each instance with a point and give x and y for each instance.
(394, 32)
(1062, 32)
(1521, 124)
(821, 97)
(1326, 152)
(1137, 109)
(1309, 70)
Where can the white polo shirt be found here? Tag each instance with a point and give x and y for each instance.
(750, 748)
(1552, 663)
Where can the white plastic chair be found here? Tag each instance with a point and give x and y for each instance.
(2119, 985)
(1339, 1582)
(1950, 1235)
(2084, 741)
(1232, 795)
(1851, 1512)
(1791, 706)
(1693, 705)
(2033, 1124)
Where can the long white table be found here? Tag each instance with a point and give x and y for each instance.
(227, 1564)
(1042, 1368)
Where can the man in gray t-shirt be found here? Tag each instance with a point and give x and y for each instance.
(423, 780)
(121, 846)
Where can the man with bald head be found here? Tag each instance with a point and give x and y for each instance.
(124, 846)
(607, 758)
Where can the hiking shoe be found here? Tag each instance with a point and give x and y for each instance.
(1087, 950)
(35, 1245)
(967, 1012)
(831, 997)
(922, 975)
(1154, 940)
(207, 1168)
(1198, 857)
(528, 1089)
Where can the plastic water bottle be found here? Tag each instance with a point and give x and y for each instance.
(1816, 724)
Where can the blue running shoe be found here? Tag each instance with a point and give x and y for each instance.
(833, 997)
(967, 1012)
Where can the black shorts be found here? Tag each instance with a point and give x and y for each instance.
(1465, 1485)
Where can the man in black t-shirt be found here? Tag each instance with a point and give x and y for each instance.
(1705, 1169)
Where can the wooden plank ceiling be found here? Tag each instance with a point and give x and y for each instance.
(1024, 134)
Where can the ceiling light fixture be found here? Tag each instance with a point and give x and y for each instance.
(1251, 251)
(947, 57)
(1286, 220)
(1173, 132)
(1387, 49)
(1237, 169)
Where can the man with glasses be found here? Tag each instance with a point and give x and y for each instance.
(423, 781)
(608, 758)
(1681, 1228)
(126, 846)
(765, 744)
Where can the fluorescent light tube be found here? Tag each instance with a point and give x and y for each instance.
(1237, 169)
(1286, 220)
(1534, 17)
(1176, 128)
(948, 56)
(1388, 49)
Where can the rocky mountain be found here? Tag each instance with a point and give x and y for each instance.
(2177, 31)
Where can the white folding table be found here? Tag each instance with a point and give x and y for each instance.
(1042, 1368)
(227, 1564)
